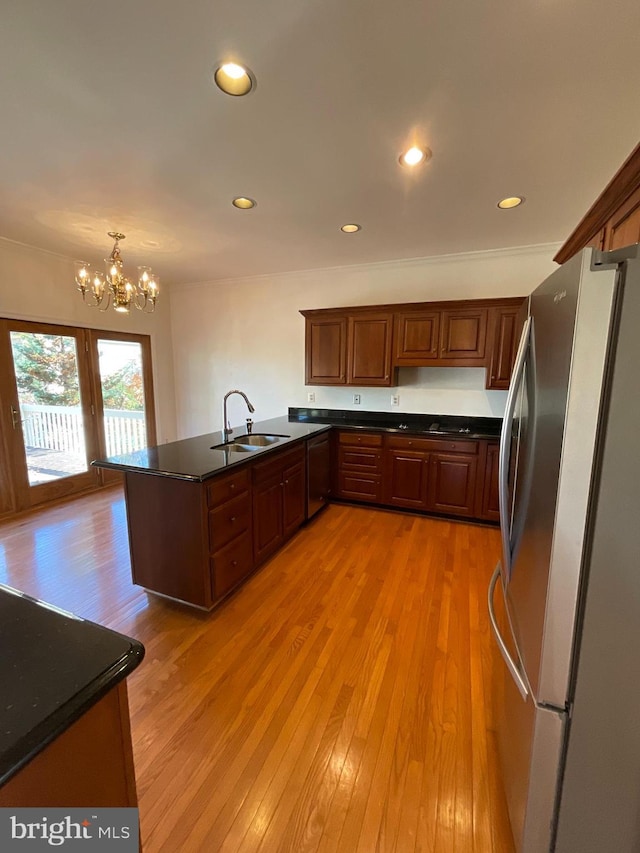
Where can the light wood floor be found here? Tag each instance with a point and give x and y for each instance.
(339, 702)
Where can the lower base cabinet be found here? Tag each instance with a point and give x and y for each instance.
(424, 474)
(278, 487)
(453, 483)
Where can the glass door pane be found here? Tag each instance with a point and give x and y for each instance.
(123, 396)
(48, 384)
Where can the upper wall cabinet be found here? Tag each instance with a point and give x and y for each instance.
(613, 220)
(349, 348)
(505, 329)
(365, 346)
(326, 350)
(369, 349)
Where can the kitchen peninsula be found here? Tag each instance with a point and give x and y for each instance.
(204, 514)
(65, 738)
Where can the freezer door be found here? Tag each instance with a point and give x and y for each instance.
(530, 741)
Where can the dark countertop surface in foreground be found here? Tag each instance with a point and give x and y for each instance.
(197, 458)
(53, 667)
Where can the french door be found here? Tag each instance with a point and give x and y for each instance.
(68, 396)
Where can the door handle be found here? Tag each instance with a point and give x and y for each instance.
(504, 651)
(15, 417)
(505, 446)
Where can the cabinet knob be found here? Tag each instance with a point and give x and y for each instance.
(286, 482)
(232, 486)
(453, 446)
(232, 519)
(234, 562)
(410, 443)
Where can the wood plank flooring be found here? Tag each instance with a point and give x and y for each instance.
(339, 702)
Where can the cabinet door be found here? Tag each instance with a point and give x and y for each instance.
(623, 228)
(506, 330)
(267, 517)
(369, 360)
(417, 335)
(326, 351)
(452, 483)
(490, 504)
(292, 499)
(405, 478)
(463, 334)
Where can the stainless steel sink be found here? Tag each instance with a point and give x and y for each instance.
(234, 448)
(249, 443)
(258, 440)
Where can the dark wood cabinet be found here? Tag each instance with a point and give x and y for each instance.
(352, 347)
(417, 338)
(623, 228)
(278, 500)
(452, 485)
(463, 335)
(406, 475)
(613, 220)
(326, 350)
(359, 469)
(369, 354)
(365, 346)
(505, 330)
(293, 503)
(490, 507)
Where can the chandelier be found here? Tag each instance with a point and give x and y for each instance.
(113, 288)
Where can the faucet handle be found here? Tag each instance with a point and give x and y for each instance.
(249, 426)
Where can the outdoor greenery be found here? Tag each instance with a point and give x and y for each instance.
(46, 372)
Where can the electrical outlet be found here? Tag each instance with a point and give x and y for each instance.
(356, 399)
(311, 397)
(395, 399)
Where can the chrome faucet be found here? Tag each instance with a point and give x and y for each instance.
(226, 428)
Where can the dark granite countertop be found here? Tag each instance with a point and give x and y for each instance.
(53, 667)
(403, 422)
(199, 458)
(194, 458)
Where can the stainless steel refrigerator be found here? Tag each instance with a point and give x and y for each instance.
(564, 601)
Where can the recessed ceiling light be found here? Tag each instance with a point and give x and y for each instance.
(350, 228)
(243, 203)
(414, 156)
(233, 79)
(512, 201)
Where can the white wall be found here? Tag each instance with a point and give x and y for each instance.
(39, 285)
(248, 334)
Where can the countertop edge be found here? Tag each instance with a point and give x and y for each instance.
(29, 746)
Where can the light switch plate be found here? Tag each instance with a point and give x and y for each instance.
(356, 399)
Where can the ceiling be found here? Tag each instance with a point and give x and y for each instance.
(110, 120)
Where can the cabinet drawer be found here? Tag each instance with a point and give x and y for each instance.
(366, 439)
(275, 464)
(360, 459)
(430, 444)
(231, 564)
(224, 488)
(361, 487)
(229, 520)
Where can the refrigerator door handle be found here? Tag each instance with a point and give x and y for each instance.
(504, 651)
(505, 446)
